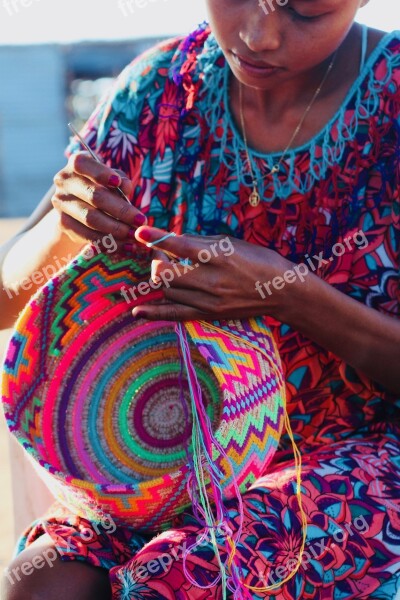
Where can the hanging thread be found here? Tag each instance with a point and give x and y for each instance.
(203, 441)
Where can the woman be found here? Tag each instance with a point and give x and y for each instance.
(281, 128)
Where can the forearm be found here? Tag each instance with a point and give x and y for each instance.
(364, 338)
(28, 261)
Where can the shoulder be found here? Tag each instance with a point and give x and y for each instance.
(378, 89)
(143, 73)
(375, 36)
(136, 96)
(169, 69)
(384, 57)
(175, 60)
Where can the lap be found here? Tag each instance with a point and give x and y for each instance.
(351, 496)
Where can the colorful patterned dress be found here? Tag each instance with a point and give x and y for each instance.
(167, 123)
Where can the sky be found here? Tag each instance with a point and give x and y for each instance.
(42, 21)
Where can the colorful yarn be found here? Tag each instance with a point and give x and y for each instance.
(204, 469)
(235, 584)
(95, 398)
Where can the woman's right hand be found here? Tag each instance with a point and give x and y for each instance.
(90, 206)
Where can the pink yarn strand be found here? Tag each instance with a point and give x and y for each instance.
(208, 441)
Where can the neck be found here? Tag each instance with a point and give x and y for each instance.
(298, 91)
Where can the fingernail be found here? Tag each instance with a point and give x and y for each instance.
(114, 181)
(145, 235)
(131, 234)
(139, 220)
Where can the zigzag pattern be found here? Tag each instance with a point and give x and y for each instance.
(256, 424)
(254, 447)
(231, 362)
(240, 401)
(78, 315)
(25, 373)
(89, 283)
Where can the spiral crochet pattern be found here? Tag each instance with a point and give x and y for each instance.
(98, 399)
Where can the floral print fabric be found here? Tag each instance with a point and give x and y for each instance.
(167, 124)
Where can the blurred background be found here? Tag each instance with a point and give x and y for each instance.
(57, 57)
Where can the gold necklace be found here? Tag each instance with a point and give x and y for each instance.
(254, 198)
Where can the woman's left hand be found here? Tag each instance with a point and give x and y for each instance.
(219, 283)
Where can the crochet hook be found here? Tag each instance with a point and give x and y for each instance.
(93, 155)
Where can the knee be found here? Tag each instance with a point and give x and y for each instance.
(26, 576)
(39, 574)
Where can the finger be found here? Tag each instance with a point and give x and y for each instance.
(91, 218)
(126, 185)
(183, 246)
(156, 265)
(81, 234)
(196, 299)
(84, 164)
(134, 250)
(167, 312)
(78, 232)
(177, 275)
(105, 200)
(158, 254)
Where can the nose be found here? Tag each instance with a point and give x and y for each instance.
(262, 28)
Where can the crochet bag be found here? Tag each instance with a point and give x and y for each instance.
(100, 403)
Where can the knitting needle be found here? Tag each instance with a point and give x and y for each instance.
(93, 155)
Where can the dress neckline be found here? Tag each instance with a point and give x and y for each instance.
(321, 134)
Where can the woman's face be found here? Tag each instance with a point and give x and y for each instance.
(270, 41)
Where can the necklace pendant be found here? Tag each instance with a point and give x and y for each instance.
(254, 198)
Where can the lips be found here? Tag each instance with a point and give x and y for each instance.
(257, 65)
(255, 68)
